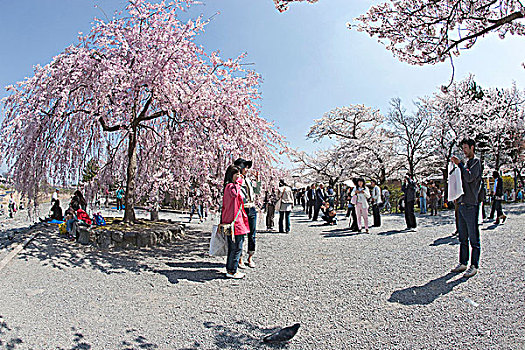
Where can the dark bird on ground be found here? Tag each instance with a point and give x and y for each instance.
(283, 335)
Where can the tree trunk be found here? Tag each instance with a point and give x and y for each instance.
(497, 165)
(154, 215)
(382, 178)
(129, 213)
(411, 168)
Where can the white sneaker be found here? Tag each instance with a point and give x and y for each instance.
(470, 272)
(237, 275)
(459, 268)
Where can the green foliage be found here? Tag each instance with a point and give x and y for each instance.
(508, 183)
(395, 194)
(90, 171)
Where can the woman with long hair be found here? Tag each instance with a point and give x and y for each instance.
(233, 212)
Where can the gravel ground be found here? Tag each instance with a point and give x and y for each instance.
(386, 290)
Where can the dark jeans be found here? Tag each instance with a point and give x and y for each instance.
(377, 216)
(270, 214)
(197, 208)
(410, 218)
(498, 208)
(434, 206)
(284, 216)
(468, 231)
(317, 207)
(252, 221)
(70, 226)
(423, 205)
(234, 253)
(120, 203)
(310, 209)
(353, 226)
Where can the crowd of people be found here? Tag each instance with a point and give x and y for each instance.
(318, 201)
(74, 217)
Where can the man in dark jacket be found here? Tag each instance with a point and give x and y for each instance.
(468, 210)
(310, 195)
(319, 200)
(409, 190)
(497, 194)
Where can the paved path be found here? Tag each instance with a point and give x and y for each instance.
(386, 290)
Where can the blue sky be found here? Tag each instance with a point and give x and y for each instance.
(309, 61)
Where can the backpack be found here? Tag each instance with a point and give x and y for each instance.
(99, 220)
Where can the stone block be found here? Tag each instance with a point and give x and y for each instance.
(117, 236)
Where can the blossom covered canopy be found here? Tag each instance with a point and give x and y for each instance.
(430, 31)
(141, 98)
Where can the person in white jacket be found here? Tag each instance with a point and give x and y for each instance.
(361, 207)
(286, 204)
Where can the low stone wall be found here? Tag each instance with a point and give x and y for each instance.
(136, 236)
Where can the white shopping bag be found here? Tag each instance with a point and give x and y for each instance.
(455, 187)
(480, 213)
(218, 243)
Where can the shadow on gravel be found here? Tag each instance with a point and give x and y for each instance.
(450, 240)
(11, 236)
(78, 340)
(200, 275)
(228, 338)
(340, 232)
(391, 232)
(55, 251)
(515, 209)
(490, 228)
(5, 343)
(428, 293)
(270, 232)
(137, 341)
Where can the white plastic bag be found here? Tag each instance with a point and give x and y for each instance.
(455, 187)
(480, 213)
(218, 243)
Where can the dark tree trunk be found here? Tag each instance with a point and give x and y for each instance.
(382, 178)
(129, 213)
(154, 215)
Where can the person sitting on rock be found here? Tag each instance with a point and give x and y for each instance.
(71, 223)
(55, 213)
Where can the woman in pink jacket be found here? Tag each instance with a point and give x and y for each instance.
(232, 210)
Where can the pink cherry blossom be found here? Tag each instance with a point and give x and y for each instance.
(151, 106)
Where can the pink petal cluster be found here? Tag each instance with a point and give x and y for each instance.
(430, 31)
(150, 105)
